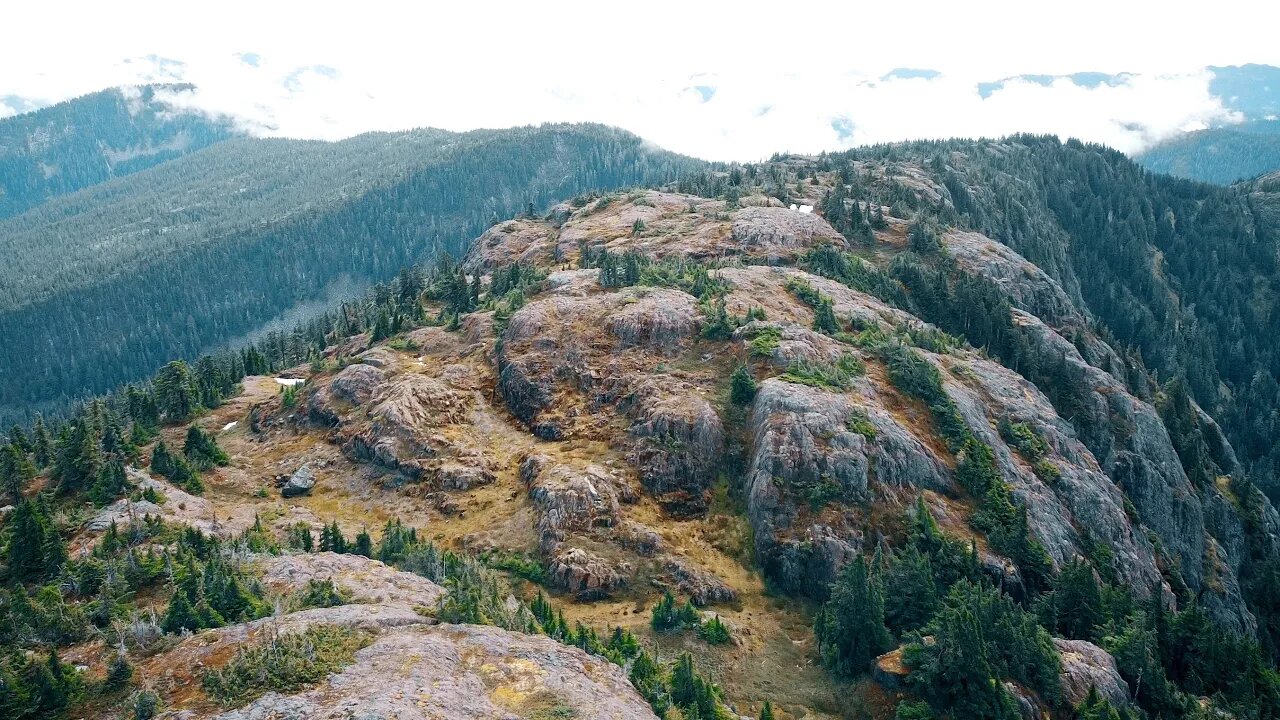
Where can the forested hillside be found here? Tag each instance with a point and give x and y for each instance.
(91, 139)
(1184, 276)
(112, 282)
(1218, 155)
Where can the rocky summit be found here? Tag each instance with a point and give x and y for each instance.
(804, 440)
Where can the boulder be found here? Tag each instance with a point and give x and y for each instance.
(299, 483)
(1086, 666)
(775, 233)
(888, 670)
(585, 573)
(702, 587)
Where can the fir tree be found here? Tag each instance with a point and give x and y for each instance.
(850, 627)
(41, 443)
(34, 550)
(824, 317)
(202, 450)
(177, 396)
(162, 462)
(110, 484)
(364, 544)
(742, 387)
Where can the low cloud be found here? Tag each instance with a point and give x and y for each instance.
(722, 116)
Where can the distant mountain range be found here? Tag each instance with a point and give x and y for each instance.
(72, 145)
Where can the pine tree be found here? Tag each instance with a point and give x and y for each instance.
(766, 712)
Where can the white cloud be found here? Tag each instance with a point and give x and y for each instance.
(717, 80)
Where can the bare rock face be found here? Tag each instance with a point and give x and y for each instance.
(357, 383)
(598, 345)
(804, 448)
(589, 575)
(1030, 288)
(775, 233)
(179, 507)
(1067, 511)
(368, 581)
(679, 441)
(657, 318)
(567, 499)
(702, 587)
(514, 241)
(462, 672)
(1085, 666)
(1134, 450)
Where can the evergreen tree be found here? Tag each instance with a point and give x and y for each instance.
(41, 443)
(742, 387)
(1073, 607)
(110, 484)
(202, 450)
(910, 582)
(177, 395)
(16, 472)
(119, 672)
(162, 462)
(34, 550)
(364, 544)
(824, 317)
(850, 627)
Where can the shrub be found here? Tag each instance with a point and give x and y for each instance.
(284, 663)
(146, 705)
(837, 376)
(202, 449)
(765, 342)
(322, 594)
(667, 616)
(714, 632)
(858, 422)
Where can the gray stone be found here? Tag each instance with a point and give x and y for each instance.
(299, 483)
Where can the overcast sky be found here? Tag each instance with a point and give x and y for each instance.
(735, 80)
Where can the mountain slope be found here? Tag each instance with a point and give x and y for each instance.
(182, 258)
(78, 143)
(781, 416)
(1218, 155)
(904, 450)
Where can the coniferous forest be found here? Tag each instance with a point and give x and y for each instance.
(107, 284)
